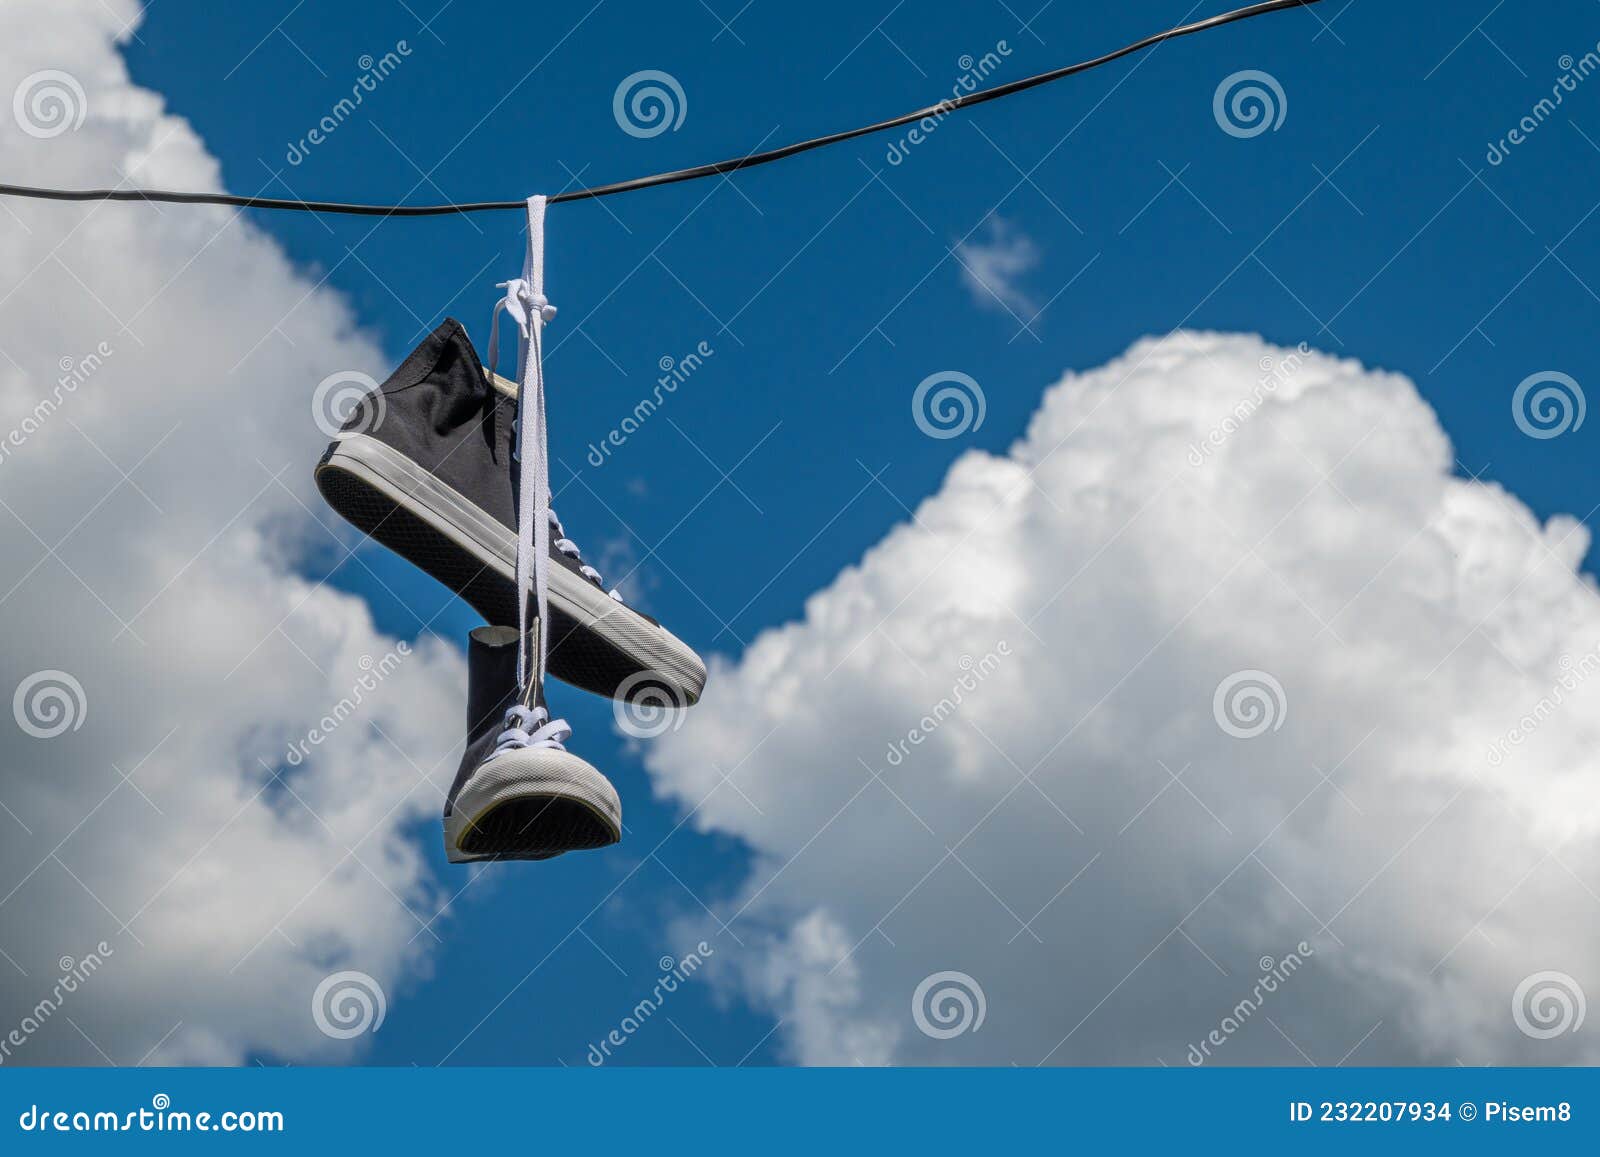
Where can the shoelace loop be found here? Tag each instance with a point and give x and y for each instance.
(525, 301)
(569, 548)
(530, 727)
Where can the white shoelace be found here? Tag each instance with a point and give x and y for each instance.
(569, 548)
(530, 727)
(530, 309)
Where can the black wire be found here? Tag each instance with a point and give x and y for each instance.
(943, 108)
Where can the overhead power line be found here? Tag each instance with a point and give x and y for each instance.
(750, 161)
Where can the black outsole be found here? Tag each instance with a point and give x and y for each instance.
(576, 656)
(536, 828)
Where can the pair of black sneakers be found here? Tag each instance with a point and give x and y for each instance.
(424, 465)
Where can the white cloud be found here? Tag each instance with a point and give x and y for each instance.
(992, 269)
(1080, 836)
(152, 515)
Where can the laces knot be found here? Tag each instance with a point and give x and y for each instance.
(530, 727)
(523, 303)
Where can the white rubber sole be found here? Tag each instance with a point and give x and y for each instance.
(534, 776)
(658, 653)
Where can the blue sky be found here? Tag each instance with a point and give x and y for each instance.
(1369, 225)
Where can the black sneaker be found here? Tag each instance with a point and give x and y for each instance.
(519, 794)
(424, 466)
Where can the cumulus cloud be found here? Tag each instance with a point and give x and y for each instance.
(1218, 721)
(223, 785)
(994, 267)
